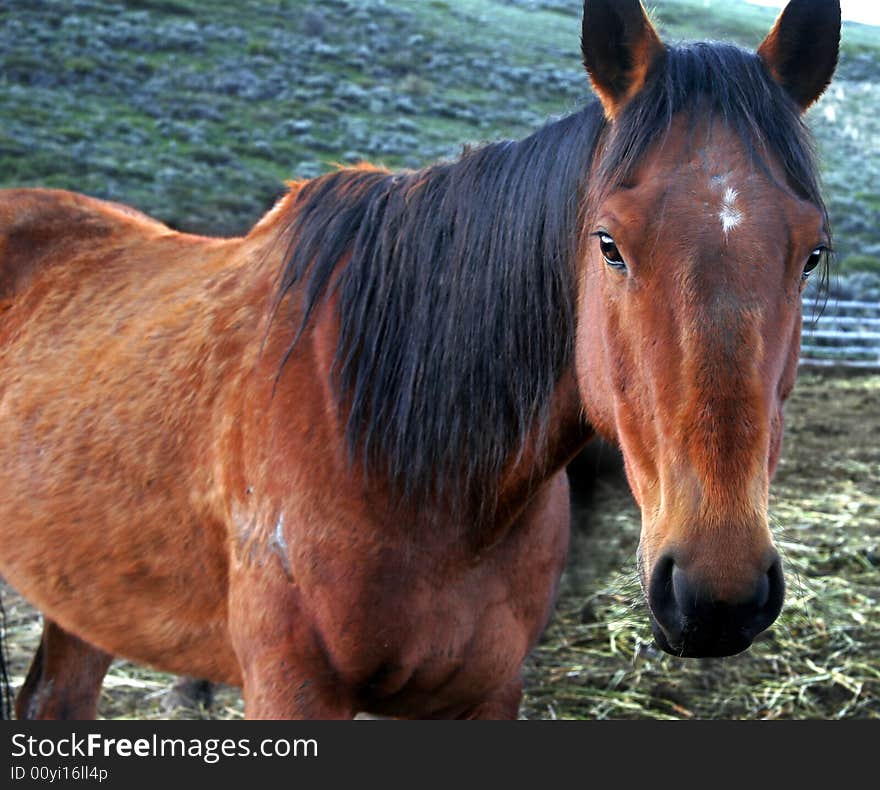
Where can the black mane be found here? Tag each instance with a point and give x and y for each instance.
(456, 284)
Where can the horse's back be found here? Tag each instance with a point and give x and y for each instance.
(119, 339)
(43, 226)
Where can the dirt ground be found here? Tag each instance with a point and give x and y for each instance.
(597, 659)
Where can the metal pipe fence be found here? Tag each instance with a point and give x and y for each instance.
(843, 333)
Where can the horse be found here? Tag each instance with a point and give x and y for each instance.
(325, 461)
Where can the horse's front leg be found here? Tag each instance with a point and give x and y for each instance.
(286, 672)
(276, 689)
(503, 704)
(65, 677)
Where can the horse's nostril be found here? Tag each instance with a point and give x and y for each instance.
(692, 620)
(662, 598)
(762, 596)
(681, 589)
(775, 591)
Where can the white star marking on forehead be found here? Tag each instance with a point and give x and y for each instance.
(730, 215)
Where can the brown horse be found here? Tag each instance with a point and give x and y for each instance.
(325, 461)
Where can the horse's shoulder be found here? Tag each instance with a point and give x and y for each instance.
(42, 226)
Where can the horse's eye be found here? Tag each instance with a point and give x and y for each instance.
(813, 261)
(610, 252)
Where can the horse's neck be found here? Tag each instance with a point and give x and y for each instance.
(499, 501)
(566, 432)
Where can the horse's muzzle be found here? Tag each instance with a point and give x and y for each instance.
(688, 621)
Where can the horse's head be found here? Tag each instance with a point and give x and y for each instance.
(703, 223)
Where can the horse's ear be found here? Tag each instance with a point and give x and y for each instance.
(801, 50)
(619, 46)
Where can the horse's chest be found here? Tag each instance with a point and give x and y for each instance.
(421, 640)
(451, 646)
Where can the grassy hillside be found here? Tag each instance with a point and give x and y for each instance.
(196, 111)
